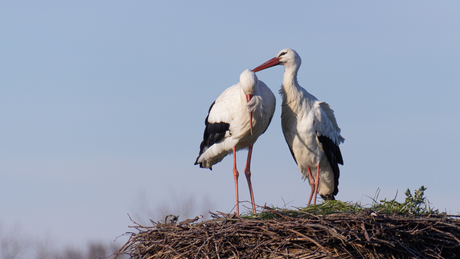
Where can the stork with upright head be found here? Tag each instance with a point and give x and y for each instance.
(310, 129)
(236, 119)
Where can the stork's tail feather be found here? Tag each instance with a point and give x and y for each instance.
(215, 153)
(201, 164)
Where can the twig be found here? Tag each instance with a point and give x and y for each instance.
(311, 240)
(365, 232)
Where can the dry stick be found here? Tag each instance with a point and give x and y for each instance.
(128, 244)
(217, 251)
(365, 232)
(279, 245)
(225, 214)
(410, 250)
(279, 214)
(169, 247)
(450, 225)
(234, 249)
(446, 233)
(204, 243)
(259, 245)
(309, 214)
(311, 240)
(269, 233)
(134, 221)
(330, 231)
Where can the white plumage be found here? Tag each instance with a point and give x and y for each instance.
(236, 119)
(310, 129)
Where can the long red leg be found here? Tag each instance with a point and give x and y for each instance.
(316, 183)
(312, 187)
(247, 172)
(236, 175)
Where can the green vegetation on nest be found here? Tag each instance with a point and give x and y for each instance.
(416, 204)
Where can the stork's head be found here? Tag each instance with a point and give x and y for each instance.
(289, 56)
(248, 81)
(286, 57)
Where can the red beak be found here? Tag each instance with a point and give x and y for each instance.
(272, 62)
(248, 98)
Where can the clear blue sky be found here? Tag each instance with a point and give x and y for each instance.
(102, 104)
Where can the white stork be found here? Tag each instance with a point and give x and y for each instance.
(236, 119)
(310, 129)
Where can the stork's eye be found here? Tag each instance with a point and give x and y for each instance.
(282, 53)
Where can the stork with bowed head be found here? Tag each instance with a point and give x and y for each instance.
(310, 129)
(236, 119)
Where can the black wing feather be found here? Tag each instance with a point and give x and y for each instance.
(213, 133)
(293, 156)
(334, 156)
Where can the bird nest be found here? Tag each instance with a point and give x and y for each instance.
(281, 233)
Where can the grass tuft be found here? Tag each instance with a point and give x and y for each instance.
(416, 204)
